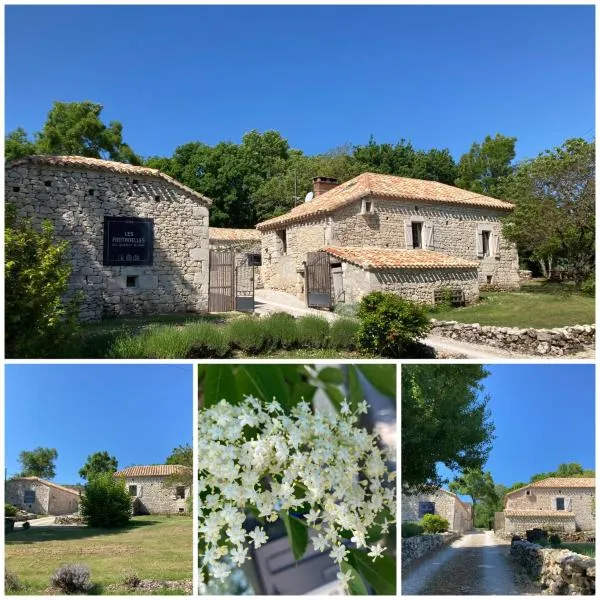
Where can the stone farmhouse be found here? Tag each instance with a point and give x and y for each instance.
(381, 232)
(150, 492)
(438, 502)
(41, 497)
(563, 503)
(138, 238)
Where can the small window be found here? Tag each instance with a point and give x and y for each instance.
(367, 207)
(560, 504)
(90, 192)
(16, 188)
(485, 243)
(133, 490)
(47, 183)
(180, 492)
(29, 496)
(254, 259)
(282, 235)
(528, 493)
(417, 234)
(182, 510)
(489, 279)
(131, 281)
(426, 508)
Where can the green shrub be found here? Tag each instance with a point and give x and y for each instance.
(72, 579)
(343, 334)
(10, 510)
(282, 330)
(12, 583)
(313, 332)
(554, 540)
(389, 325)
(26, 525)
(434, 524)
(588, 287)
(248, 334)
(38, 321)
(206, 340)
(410, 529)
(105, 502)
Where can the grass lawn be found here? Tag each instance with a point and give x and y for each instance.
(155, 547)
(539, 304)
(588, 549)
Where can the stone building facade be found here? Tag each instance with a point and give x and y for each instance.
(243, 242)
(439, 502)
(151, 493)
(138, 239)
(41, 497)
(382, 213)
(563, 503)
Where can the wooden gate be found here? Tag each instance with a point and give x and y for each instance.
(221, 281)
(317, 275)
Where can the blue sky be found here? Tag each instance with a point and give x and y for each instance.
(138, 413)
(544, 416)
(439, 76)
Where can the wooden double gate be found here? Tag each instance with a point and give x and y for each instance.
(318, 280)
(230, 282)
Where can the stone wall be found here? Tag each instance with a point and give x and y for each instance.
(544, 342)
(76, 199)
(518, 525)
(420, 545)
(49, 500)
(156, 498)
(560, 572)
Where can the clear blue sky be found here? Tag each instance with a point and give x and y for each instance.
(544, 415)
(439, 76)
(138, 413)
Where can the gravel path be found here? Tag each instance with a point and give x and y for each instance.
(477, 564)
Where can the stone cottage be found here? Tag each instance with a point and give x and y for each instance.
(151, 493)
(438, 502)
(138, 238)
(381, 232)
(562, 503)
(41, 497)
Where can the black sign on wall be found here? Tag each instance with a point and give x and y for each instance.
(128, 241)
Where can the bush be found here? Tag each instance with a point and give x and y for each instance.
(282, 330)
(554, 540)
(12, 582)
(26, 525)
(72, 579)
(313, 332)
(389, 325)
(36, 278)
(410, 529)
(131, 580)
(10, 510)
(343, 334)
(206, 340)
(588, 287)
(434, 524)
(105, 502)
(248, 334)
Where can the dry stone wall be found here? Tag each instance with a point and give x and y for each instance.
(76, 199)
(560, 572)
(543, 342)
(420, 545)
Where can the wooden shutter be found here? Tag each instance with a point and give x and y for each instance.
(495, 245)
(428, 235)
(568, 505)
(479, 241)
(140, 491)
(408, 238)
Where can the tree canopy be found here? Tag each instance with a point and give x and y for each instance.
(182, 455)
(99, 462)
(39, 462)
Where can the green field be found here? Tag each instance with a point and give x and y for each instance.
(155, 547)
(585, 548)
(539, 304)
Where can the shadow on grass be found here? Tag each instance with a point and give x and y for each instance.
(51, 533)
(549, 288)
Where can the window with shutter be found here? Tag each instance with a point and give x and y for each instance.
(560, 504)
(479, 242)
(428, 235)
(417, 234)
(485, 242)
(408, 239)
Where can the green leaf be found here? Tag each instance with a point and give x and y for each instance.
(297, 532)
(265, 382)
(381, 377)
(219, 383)
(332, 375)
(380, 574)
(355, 390)
(335, 395)
(356, 586)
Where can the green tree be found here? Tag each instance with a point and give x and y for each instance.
(554, 218)
(445, 419)
(476, 484)
(38, 463)
(483, 167)
(99, 462)
(17, 144)
(182, 455)
(105, 501)
(36, 275)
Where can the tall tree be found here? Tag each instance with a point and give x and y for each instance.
(182, 455)
(483, 167)
(38, 463)
(17, 144)
(476, 484)
(445, 419)
(99, 462)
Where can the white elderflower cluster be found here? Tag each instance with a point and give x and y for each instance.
(254, 456)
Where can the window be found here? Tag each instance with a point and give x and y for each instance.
(29, 496)
(282, 235)
(528, 493)
(426, 508)
(485, 242)
(417, 234)
(367, 207)
(133, 490)
(180, 492)
(131, 281)
(560, 504)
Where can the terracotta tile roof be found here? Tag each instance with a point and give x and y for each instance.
(104, 165)
(233, 235)
(152, 471)
(559, 482)
(539, 513)
(387, 258)
(385, 187)
(49, 483)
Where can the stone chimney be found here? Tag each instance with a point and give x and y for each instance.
(323, 184)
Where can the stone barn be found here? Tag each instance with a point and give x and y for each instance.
(152, 493)
(41, 497)
(424, 240)
(138, 239)
(438, 502)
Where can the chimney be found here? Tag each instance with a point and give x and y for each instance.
(323, 184)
